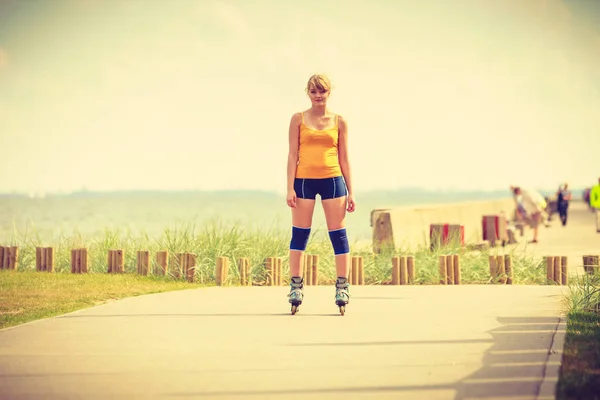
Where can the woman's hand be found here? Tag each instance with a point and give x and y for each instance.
(291, 198)
(351, 203)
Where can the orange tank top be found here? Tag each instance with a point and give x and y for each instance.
(318, 152)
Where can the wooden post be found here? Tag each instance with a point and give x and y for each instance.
(395, 270)
(79, 261)
(509, 269)
(353, 262)
(43, 259)
(275, 271)
(501, 269)
(315, 269)
(190, 264)
(49, 261)
(361, 271)
(222, 269)
(119, 262)
(219, 271)
(2, 257)
(243, 269)
(38, 259)
(353, 271)
(83, 256)
(5, 260)
(410, 266)
(143, 260)
(269, 270)
(279, 271)
(591, 264)
(549, 268)
(443, 271)
(403, 271)
(493, 268)
(275, 266)
(162, 263)
(456, 263)
(304, 264)
(110, 262)
(13, 259)
(449, 269)
(308, 260)
(74, 261)
(564, 271)
(556, 263)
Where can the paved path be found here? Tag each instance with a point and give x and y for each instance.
(576, 239)
(428, 342)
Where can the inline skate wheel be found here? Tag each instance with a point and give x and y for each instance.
(342, 310)
(294, 309)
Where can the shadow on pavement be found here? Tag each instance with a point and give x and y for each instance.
(513, 367)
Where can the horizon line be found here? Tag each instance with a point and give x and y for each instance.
(36, 193)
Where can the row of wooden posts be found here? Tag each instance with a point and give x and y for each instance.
(403, 267)
(501, 269)
(557, 270)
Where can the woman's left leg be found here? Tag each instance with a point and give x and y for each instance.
(334, 201)
(335, 216)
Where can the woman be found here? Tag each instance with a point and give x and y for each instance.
(318, 165)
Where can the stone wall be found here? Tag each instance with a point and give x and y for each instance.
(408, 227)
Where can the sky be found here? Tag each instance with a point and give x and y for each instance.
(198, 94)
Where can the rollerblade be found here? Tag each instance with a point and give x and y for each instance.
(342, 294)
(296, 295)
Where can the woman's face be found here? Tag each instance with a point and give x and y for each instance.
(318, 97)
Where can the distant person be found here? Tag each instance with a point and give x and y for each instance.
(530, 206)
(587, 199)
(318, 164)
(563, 197)
(595, 203)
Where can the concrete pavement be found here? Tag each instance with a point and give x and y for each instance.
(395, 342)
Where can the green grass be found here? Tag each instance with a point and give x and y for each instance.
(28, 295)
(580, 368)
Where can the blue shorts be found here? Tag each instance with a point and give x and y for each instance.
(327, 188)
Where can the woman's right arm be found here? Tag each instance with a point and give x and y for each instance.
(294, 135)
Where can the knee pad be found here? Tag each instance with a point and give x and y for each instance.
(339, 240)
(299, 238)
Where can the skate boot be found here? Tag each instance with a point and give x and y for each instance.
(296, 295)
(342, 293)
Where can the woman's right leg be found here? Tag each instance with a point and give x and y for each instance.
(301, 224)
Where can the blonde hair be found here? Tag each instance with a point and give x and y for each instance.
(320, 82)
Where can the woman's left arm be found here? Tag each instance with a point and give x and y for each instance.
(344, 160)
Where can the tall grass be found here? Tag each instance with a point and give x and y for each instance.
(235, 241)
(579, 376)
(584, 293)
